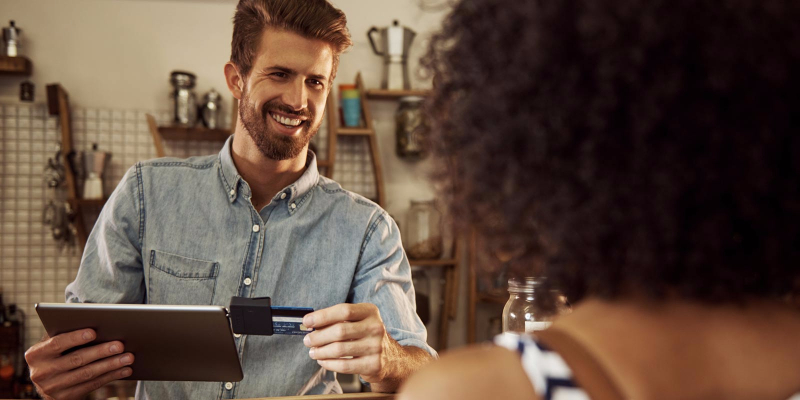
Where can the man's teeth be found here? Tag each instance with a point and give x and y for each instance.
(286, 121)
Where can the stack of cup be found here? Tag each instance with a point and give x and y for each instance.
(351, 105)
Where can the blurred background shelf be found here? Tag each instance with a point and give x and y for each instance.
(388, 94)
(21, 66)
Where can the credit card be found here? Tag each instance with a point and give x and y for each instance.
(289, 320)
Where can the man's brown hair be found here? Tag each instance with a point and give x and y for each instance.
(312, 19)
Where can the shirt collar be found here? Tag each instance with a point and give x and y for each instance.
(295, 194)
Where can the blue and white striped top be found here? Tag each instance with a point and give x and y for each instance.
(549, 374)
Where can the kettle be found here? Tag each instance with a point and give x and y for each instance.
(395, 43)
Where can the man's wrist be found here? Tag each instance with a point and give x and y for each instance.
(400, 363)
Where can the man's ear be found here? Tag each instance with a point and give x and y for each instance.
(234, 80)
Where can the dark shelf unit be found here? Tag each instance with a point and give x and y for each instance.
(15, 66)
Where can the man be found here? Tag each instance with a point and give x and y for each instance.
(255, 220)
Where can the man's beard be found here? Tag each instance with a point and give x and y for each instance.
(274, 145)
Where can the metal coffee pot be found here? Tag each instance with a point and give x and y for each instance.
(94, 164)
(395, 42)
(11, 39)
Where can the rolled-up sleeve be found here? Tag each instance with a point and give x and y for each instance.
(383, 278)
(111, 268)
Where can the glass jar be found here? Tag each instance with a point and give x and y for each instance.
(184, 101)
(410, 127)
(209, 110)
(523, 314)
(423, 230)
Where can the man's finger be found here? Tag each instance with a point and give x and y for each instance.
(339, 313)
(353, 348)
(340, 332)
(58, 344)
(88, 355)
(80, 391)
(367, 365)
(90, 372)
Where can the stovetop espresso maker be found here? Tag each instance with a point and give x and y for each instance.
(395, 42)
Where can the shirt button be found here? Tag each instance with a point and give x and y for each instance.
(237, 335)
(228, 385)
(293, 206)
(233, 192)
(248, 281)
(256, 228)
(283, 196)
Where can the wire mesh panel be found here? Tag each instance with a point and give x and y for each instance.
(33, 268)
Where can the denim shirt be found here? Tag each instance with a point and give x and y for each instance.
(186, 232)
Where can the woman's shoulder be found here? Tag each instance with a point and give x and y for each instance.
(475, 372)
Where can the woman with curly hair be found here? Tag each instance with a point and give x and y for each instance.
(644, 156)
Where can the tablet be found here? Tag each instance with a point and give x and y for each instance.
(169, 343)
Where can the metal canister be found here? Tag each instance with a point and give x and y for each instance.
(183, 98)
(11, 39)
(210, 109)
(410, 128)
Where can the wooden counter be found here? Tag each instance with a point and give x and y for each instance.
(345, 396)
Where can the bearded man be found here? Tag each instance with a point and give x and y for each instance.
(269, 225)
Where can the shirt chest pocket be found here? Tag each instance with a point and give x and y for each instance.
(182, 280)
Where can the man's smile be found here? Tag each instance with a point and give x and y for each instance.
(287, 121)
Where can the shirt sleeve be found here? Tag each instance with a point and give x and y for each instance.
(111, 268)
(383, 278)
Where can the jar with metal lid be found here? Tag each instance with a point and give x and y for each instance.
(524, 313)
(423, 230)
(410, 128)
(210, 109)
(183, 98)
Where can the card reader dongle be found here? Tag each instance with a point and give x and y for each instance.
(251, 316)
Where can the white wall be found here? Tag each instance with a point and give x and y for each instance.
(119, 53)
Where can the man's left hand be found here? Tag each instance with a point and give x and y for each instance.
(352, 339)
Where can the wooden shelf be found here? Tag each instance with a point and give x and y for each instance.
(353, 131)
(323, 163)
(492, 298)
(193, 134)
(433, 262)
(387, 94)
(21, 66)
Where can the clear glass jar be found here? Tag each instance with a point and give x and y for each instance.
(423, 231)
(184, 101)
(410, 126)
(522, 313)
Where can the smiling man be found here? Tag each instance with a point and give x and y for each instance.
(256, 220)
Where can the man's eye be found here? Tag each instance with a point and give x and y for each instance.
(315, 82)
(279, 74)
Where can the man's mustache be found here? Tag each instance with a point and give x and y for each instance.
(283, 108)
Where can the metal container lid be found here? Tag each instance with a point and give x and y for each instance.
(182, 79)
(11, 32)
(412, 99)
(211, 96)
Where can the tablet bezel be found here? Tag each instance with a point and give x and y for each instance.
(169, 342)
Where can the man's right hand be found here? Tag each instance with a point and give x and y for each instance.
(73, 375)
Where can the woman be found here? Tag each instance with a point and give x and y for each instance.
(644, 155)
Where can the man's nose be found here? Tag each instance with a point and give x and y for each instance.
(296, 96)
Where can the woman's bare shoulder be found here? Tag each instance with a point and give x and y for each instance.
(475, 372)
